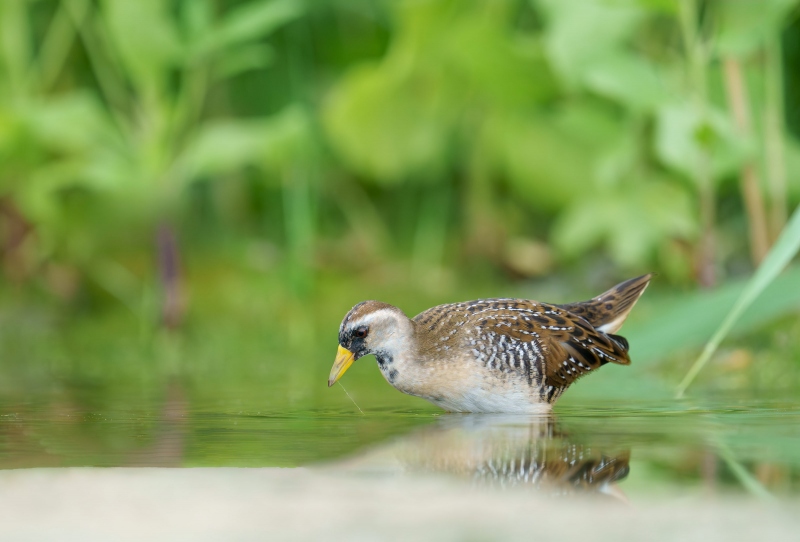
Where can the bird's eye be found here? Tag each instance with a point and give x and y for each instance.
(361, 332)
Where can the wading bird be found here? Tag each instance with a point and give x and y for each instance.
(490, 355)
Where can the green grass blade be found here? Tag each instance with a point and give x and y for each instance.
(779, 256)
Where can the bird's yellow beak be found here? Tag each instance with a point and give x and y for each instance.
(344, 359)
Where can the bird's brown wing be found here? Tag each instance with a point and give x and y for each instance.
(577, 349)
(550, 345)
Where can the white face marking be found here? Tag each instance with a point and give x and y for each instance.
(387, 330)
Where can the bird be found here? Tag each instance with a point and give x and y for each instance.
(500, 355)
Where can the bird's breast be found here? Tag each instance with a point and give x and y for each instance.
(460, 385)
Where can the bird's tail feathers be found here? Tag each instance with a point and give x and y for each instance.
(608, 311)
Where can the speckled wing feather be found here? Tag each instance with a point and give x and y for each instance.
(552, 346)
(578, 348)
(544, 343)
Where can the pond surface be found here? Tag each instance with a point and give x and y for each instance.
(94, 405)
(723, 469)
(622, 451)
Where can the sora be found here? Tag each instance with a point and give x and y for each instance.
(490, 355)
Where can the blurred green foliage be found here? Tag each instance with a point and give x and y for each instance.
(106, 124)
(597, 118)
(536, 136)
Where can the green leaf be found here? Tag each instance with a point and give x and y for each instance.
(545, 164)
(69, 123)
(145, 39)
(579, 33)
(631, 221)
(390, 126)
(253, 21)
(630, 80)
(245, 58)
(779, 256)
(231, 145)
(745, 25)
(663, 6)
(197, 17)
(502, 72)
(685, 136)
(226, 146)
(16, 40)
(549, 159)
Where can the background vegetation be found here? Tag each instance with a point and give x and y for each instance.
(197, 191)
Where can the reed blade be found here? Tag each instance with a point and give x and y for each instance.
(781, 253)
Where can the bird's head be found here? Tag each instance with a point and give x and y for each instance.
(371, 327)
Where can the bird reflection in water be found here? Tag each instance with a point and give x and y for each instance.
(510, 451)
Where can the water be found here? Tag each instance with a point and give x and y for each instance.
(722, 469)
(91, 413)
(724, 446)
(96, 408)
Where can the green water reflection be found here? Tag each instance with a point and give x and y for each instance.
(728, 444)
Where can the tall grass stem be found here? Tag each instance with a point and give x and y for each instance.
(774, 116)
(697, 56)
(782, 252)
(750, 184)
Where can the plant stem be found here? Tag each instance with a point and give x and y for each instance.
(298, 217)
(172, 301)
(706, 249)
(14, 231)
(773, 136)
(697, 57)
(748, 178)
